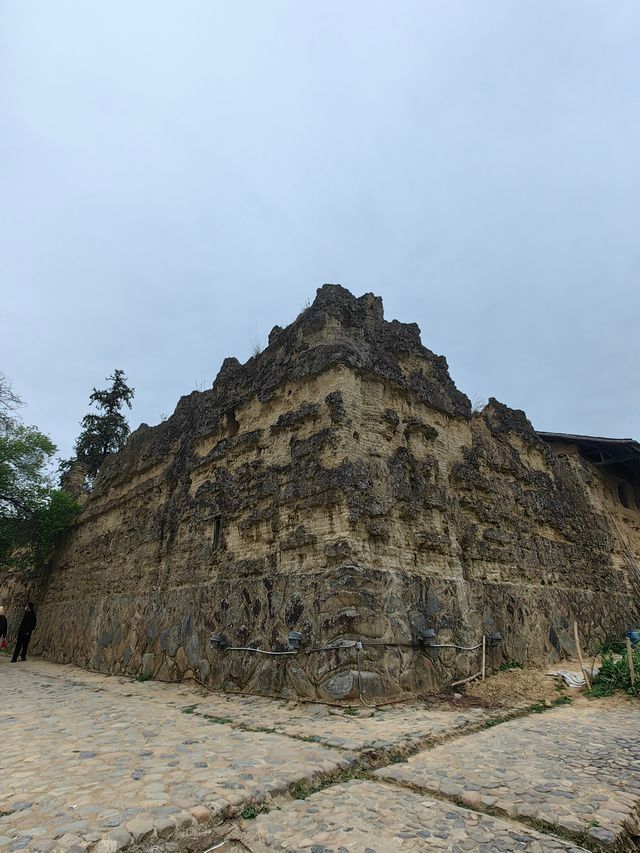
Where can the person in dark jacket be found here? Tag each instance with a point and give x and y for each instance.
(3, 629)
(25, 629)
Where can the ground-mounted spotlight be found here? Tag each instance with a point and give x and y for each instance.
(218, 642)
(427, 638)
(494, 639)
(295, 640)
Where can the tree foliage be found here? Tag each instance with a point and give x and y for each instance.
(107, 432)
(33, 514)
(51, 521)
(9, 402)
(24, 455)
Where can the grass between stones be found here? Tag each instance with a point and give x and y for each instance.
(220, 721)
(368, 760)
(252, 811)
(211, 718)
(375, 758)
(535, 708)
(581, 839)
(302, 790)
(625, 843)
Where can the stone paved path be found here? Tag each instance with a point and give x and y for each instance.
(394, 726)
(93, 763)
(80, 763)
(578, 770)
(372, 816)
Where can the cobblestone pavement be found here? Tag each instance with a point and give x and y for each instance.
(576, 769)
(350, 727)
(79, 763)
(394, 726)
(372, 816)
(91, 762)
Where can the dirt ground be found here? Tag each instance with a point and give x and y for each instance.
(516, 686)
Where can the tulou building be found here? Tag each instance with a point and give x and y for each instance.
(336, 503)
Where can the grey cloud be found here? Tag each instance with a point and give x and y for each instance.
(175, 176)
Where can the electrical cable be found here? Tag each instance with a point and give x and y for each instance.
(345, 644)
(349, 644)
(258, 651)
(358, 645)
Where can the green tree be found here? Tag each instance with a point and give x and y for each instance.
(107, 432)
(51, 521)
(33, 514)
(9, 402)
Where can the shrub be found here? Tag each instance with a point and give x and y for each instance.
(614, 674)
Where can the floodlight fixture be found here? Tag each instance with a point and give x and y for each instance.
(427, 638)
(295, 640)
(217, 641)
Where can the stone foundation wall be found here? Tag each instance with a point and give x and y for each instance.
(165, 634)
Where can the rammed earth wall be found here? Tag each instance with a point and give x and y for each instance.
(338, 485)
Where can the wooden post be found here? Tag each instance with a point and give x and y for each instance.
(484, 656)
(579, 651)
(632, 671)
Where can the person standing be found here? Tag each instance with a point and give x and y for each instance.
(25, 629)
(3, 630)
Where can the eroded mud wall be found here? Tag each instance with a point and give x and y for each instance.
(338, 485)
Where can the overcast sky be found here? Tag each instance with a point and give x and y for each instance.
(177, 176)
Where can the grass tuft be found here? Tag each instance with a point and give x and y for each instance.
(252, 810)
(302, 790)
(510, 664)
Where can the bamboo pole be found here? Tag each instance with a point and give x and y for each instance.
(579, 651)
(632, 671)
(484, 656)
(465, 680)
